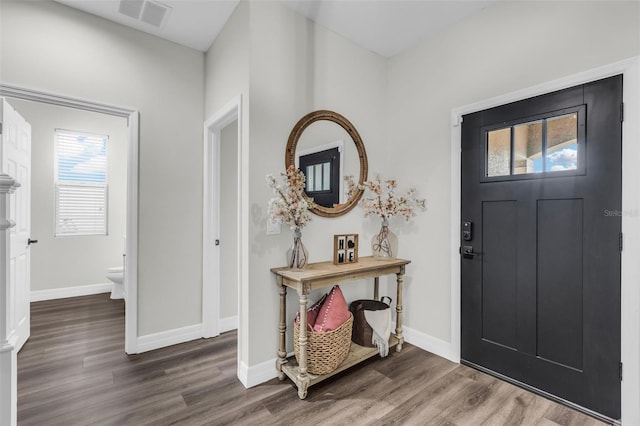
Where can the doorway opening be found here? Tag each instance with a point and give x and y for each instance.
(223, 223)
(78, 176)
(131, 227)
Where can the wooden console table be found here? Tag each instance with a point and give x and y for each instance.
(318, 275)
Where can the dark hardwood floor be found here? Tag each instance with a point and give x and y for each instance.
(73, 371)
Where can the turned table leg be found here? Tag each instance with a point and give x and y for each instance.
(282, 329)
(399, 281)
(303, 378)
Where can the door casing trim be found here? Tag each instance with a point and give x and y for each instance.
(630, 291)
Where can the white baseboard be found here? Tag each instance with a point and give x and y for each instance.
(243, 374)
(75, 291)
(265, 371)
(428, 343)
(228, 324)
(163, 339)
(260, 373)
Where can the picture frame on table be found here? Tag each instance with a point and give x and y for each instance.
(345, 249)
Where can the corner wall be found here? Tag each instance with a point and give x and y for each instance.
(285, 66)
(227, 78)
(298, 66)
(509, 47)
(504, 48)
(51, 47)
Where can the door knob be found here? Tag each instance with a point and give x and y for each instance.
(30, 241)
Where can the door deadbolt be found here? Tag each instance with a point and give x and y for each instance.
(467, 232)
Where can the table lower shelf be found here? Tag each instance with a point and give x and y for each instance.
(356, 355)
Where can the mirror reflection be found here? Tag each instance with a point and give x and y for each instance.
(326, 154)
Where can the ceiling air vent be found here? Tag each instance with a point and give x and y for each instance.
(131, 8)
(147, 11)
(154, 13)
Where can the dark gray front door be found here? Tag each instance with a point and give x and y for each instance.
(541, 240)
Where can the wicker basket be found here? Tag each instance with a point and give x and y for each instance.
(325, 350)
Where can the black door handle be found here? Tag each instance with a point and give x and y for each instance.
(30, 241)
(467, 251)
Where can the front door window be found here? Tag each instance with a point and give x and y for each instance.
(535, 146)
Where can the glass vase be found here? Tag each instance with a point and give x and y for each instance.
(297, 255)
(384, 245)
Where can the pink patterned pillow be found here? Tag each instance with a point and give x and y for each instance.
(312, 313)
(334, 311)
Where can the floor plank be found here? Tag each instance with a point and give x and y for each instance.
(73, 371)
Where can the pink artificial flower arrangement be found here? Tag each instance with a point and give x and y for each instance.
(290, 206)
(380, 198)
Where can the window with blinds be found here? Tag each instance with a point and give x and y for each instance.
(80, 183)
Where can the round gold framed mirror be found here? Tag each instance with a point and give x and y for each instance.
(326, 147)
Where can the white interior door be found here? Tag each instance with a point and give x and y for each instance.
(16, 162)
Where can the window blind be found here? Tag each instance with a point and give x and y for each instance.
(81, 187)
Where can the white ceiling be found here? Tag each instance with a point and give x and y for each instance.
(386, 27)
(191, 23)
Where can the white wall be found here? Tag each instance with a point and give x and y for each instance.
(286, 66)
(506, 47)
(297, 67)
(60, 262)
(226, 78)
(51, 47)
(229, 221)
(227, 63)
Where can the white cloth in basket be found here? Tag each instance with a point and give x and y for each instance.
(380, 322)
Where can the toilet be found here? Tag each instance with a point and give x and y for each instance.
(116, 275)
